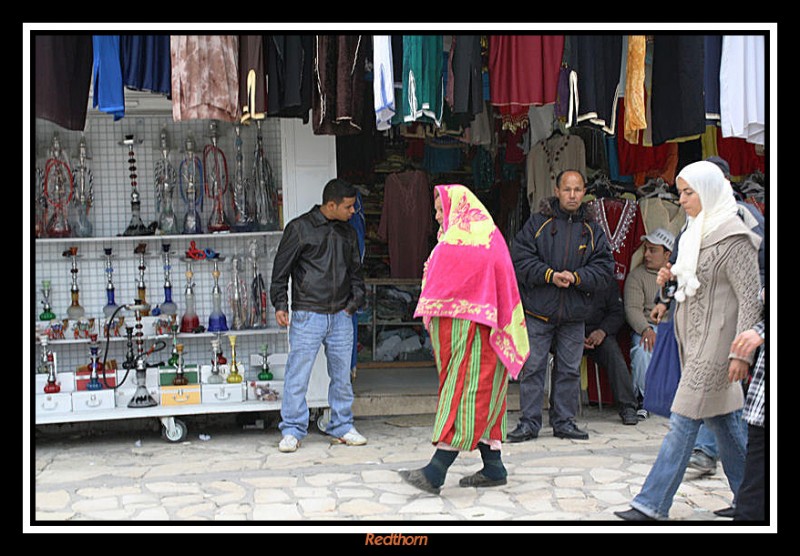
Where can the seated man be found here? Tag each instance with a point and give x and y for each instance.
(640, 294)
(602, 326)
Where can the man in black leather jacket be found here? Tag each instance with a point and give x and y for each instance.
(561, 257)
(319, 251)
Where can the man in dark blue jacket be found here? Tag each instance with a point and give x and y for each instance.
(561, 258)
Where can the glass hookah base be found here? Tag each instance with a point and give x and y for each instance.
(215, 378)
(142, 398)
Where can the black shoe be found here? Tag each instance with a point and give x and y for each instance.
(415, 477)
(571, 431)
(730, 511)
(634, 515)
(521, 434)
(480, 480)
(629, 416)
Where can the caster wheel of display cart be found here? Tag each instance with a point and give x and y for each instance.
(323, 420)
(173, 429)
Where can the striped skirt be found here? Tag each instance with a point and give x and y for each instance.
(472, 384)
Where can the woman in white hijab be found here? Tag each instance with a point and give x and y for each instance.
(718, 285)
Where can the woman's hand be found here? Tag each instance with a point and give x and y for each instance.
(664, 275)
(746, 343)
(737, 370)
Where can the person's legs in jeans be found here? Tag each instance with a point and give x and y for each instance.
(707, 443)
(566, 382)
(531, 381)
(609, 356)
(732, 444)
(338, 344)
(751, 500)
(661, 484)
(306, 333)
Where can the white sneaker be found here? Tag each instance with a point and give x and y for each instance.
(288, 444)
(351, 438)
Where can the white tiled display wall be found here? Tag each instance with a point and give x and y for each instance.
(111, 214)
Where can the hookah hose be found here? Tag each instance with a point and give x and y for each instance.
(217, 154)
(154, 348)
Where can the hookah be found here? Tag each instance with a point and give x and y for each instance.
(216, 178)
(166, 179)
(190, 321)
(94, 365)
(141, 397)
(216, 351)
(234, 376)
(59, 187)
(191, 174)
(258, 292)
(168, 307)
(48, 366)
(216, 320)
(237, 296)
(264, 374)
(40, 204)
(47, 313)
(141, 288)
(180, 377)
(82, 202)
(74, 311)
(135, 227)
(130, 357)
(173, 358)
(266, 193)
(241, 194)
(111, 304)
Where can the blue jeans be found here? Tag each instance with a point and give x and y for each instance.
(661, 484)
(707, 443)
(640, 359)
(307, 332)
(566, 380)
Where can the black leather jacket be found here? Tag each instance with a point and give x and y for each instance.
(323, 259)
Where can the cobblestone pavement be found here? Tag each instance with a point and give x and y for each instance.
(236, 475)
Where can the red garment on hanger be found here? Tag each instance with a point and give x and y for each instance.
(622, 222)
(636, 158)
(740, 154)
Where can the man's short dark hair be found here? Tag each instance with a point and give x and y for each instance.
(562, 172)
(337, 190)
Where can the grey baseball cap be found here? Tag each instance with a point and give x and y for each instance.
(660, 236)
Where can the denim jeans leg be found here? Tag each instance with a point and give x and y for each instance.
(338, 344)
(306, 333)
(640, 359)
(706, 442)
(531, 381)
(566, 374)
(661, 484)
(731, 438)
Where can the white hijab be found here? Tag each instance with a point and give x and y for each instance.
(718, 206)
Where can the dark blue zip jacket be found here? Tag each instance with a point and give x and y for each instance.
(553, 240)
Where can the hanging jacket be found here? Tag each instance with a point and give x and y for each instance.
(553, 240)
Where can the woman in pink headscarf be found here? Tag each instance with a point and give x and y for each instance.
(471, 307)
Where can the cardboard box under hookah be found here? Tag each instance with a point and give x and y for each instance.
(186, 394)
(220, 392)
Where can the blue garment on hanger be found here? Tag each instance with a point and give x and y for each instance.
(108, 94)
(146, 63)
(359, 222)
(613, 161)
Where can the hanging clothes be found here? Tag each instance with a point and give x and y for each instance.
(406, 222)
(595, 68)
(635, 114)
(383, 81)
(546, 159)
(63, 76)
(467, 78)
(523, 71)
(658, 212)
(677, 105)
(742, 90)
(146, 64)
(290, 63)
(205, 77)
(108, 92)
(713, 55)
(645, 162)
(423, 85)
(252, 78)
(337, 99)
(622, 223)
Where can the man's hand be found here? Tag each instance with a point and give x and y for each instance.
(594, 339)
(282, 317)
(658, 312)
(563, 279)
(648, 339)
(664, 275)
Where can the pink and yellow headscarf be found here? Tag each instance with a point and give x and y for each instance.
(469, 275)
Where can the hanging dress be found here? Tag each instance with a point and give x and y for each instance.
(108, 92)
(337, 97)
(423, 84)
(290, 63)
(63, 76)
(623, 226)
(146, 64)
(252, 78)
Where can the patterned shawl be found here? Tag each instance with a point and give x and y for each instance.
(469, 275)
